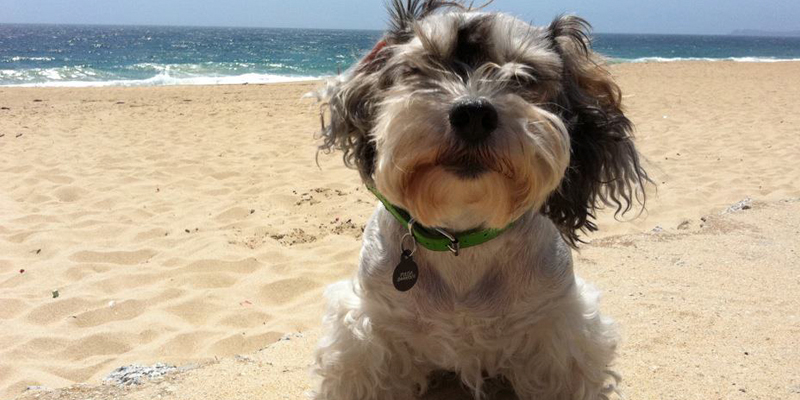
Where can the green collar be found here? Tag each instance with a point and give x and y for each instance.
(435, 239)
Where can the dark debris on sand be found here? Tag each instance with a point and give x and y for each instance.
(137, 374)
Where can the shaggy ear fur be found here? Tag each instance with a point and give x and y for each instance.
(351, 102)
(604, 165)
(351, 99)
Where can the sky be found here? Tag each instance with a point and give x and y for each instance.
(608, 16)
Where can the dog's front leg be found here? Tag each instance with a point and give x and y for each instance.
(358, 362)
(569, 356)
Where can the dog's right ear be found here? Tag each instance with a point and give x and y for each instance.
(350, 102)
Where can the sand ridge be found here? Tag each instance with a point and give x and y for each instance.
(188, 224)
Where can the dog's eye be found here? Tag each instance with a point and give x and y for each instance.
(523, 80)
(410, 71)
(531, 87)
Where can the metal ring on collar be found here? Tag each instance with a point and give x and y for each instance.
(411, 235)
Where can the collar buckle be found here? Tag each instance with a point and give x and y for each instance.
(454, 246)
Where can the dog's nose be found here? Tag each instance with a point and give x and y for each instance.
(473, 120)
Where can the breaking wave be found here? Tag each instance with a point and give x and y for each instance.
(147, 74)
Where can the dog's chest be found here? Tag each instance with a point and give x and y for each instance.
(467, 308)
(443, 305)
(475, 290)
(475, 331)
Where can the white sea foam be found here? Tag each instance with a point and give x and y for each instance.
(21, 58)
(162, 75)
(285, 66)
(164, 79)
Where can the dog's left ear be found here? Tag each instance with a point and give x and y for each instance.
(604, 164)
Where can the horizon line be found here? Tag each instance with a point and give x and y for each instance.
(765, 33)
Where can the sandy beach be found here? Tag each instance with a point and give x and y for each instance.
(191, 225)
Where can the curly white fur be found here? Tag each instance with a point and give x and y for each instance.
(511, 307)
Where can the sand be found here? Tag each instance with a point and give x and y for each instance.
(189, 225)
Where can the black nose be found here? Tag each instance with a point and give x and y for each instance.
(473, 120)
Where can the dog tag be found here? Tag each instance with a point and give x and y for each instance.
(406, 273)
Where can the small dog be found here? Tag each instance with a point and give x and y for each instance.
(490, 143)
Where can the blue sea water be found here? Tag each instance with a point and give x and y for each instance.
(69, 55)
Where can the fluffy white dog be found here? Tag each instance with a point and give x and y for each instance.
(490, 143)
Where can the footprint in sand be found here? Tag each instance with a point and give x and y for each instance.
(244, 266)
(195, 311)
(96, 345)
(240, 344)
(69, 194)
(286, 290)
(59, 310)
(110, 312)
(233, 214)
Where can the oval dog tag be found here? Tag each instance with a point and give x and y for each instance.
(406, 273)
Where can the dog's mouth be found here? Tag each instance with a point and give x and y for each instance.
(468, 170)
(471, 164)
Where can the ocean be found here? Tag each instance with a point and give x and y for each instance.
(75, 56)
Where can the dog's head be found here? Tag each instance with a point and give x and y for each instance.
(469, 119)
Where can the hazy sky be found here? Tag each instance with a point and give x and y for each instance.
(624, 16)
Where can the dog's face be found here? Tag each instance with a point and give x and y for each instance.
(462, 134)
(469, 119)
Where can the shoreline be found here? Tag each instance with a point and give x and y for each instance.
(233, 80)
